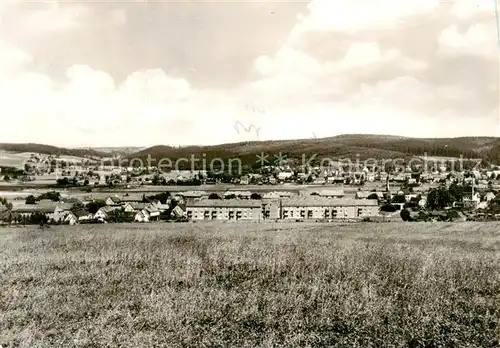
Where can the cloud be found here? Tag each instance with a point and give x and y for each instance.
(478, 40)
(352, 16)
(466, 10)
(88, 104)
(345, 67)
(50, 17)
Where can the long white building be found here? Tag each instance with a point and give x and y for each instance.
(230, 209)
(326, 208)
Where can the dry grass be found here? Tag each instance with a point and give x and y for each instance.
(267, 285)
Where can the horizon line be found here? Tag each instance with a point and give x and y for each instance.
(94, 147)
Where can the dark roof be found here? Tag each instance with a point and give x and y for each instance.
(114, 199)
(81, 212)
(226, 203)
(32, 208)
(327, 202)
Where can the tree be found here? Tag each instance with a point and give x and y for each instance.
(494, 206)
(77, 206)
(439, 198)
(119, 216)
(373, 196)
(94, 206)
(38, 218)
(456, 191)
(63, 182)
(6, 203)
(229, 196)
(213, 196)
(53, 196)
(398, 199)
(255, 196)
(30, 199)
(389, 208)
(162, 197)
(405, 215)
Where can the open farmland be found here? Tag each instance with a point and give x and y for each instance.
(13, 159)
(251, 285)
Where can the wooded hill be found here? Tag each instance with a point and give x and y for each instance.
(348, 146)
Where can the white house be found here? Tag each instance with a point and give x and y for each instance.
(133, 207)
(472, 200)
(284, 175)
(113, 201)
(83, 215)
(489, 196)
(147, 214)
(331, 193)
(71, 219)
(61, 211)
(178, 211)
(103, 213)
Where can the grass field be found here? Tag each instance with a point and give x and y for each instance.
(251, 285)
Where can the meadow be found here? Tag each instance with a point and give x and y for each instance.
(251, 285)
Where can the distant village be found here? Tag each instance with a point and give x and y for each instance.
(274, 193)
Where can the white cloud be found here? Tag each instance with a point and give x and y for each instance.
(473, 9)
(55, 17)
(478, 40)
(12, 59)
(369, 87)
(353, 16)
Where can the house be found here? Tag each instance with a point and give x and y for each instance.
(103, 213)
(83, 215)
(244, 180)
(410, 196)
(161, 207)
(71, 219)
(193, 194)
(239, 194)
(231, 209)
(489, 196)
(133, 207)
(178, 212)
(327, 208)
(276, 194)
(282, 176)
(367, 194)
(147, 214)
(137, 198)
(61, 211)
(471, 200)
(422, 202)
(370, 177)
(111, 201)
(331, 193)
(26, 210)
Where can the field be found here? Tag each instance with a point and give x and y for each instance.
(251, 285)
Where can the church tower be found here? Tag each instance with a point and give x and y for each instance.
(388, 194)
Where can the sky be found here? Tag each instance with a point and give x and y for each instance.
(143, 73)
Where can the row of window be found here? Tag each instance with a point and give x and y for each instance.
(286, 213)
(327, 213)
(212, 214)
